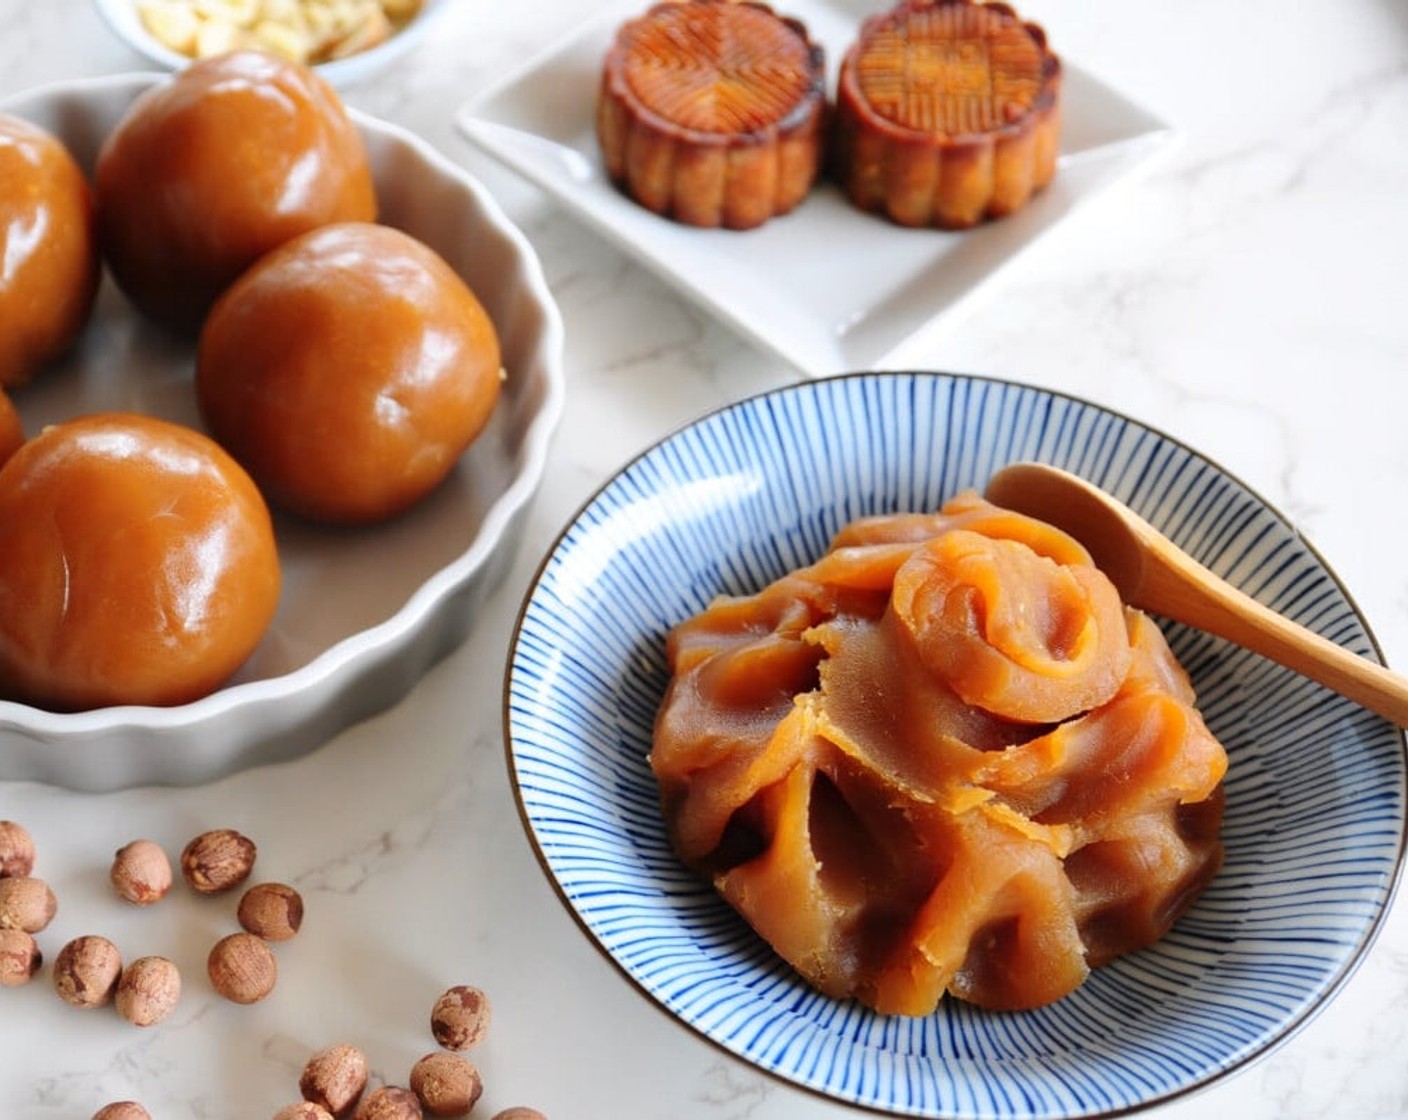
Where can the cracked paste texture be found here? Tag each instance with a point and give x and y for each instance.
(943, 758)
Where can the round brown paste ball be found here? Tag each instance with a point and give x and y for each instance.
(49, 265)
(137, 565)
(348, 370)
(214, 167)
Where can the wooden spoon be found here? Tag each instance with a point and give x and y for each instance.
(1153, 573)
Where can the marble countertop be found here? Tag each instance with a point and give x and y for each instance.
(1244, 293)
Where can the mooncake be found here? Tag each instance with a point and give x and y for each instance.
(948, 112)
(944, 759)
(711, 112)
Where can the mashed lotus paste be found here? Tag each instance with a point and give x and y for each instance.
(943, 758)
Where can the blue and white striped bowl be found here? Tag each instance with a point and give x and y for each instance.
(1315, 796)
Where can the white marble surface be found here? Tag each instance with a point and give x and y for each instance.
(1246, 294)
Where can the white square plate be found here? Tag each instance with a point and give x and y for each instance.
(827, 287)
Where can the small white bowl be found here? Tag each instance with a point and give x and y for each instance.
(364, 613)
(121, 16)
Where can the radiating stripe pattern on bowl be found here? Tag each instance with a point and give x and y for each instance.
(1315, 795)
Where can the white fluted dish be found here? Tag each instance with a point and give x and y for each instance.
(1314, 825)
(364, 612)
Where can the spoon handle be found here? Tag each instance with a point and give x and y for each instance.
(1186, 591)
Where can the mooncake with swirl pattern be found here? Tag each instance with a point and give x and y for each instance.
(711, 112)
(948, 113)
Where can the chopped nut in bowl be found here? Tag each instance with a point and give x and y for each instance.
(365, 611)
(344, 40)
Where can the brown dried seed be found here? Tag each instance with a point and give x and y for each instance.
(148, 990)
(518, 1112)
(390, 1102)
(242, 968)
(446, 1084)
(141, 873)
(218, 860)
(87, 970)
(334, 1077)
(460, 1017)
(303, 1110)
(20, 958)
(122, 1110)
(16, 849)
(273, 911)
(26, 903)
